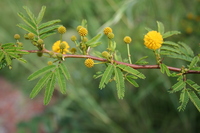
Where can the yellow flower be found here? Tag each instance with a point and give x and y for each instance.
(153, 40)
(89, 63)
(58, 49)
(83, 31)
(107, 30)
(62, 29)
(127, 39)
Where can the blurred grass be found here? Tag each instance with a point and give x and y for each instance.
(149, 108)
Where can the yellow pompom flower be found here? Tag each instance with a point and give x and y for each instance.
(62, 29)
(107, 30)
(153, 40)
(89, 63)
(83, 31)
(110, 35)
(78, 27)
(127, 39)
(59, 47)
(17, 36)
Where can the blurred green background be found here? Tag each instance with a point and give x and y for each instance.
(85, 108)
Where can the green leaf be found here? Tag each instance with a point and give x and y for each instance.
(178, 56)
(184, 98)
(7, 45)
(48, 29)
(169, 50)
(48, 24)
(164, 68)
(43, 36)
(119, 82)
(161, 27)
(131, 80)
(169, 43)
(41, 14)
(141, 62)
(27, 28)
(148, 29)
(106, 76)
(94, 39)
(64, 70)
(170, 33)
(1, 55)
(195, 68)
(27, 21)
(40, 84)
(49, 89)
(41, 72)
(30, 14)
(22, 60)
(178, 86)
(193, 84)
(131, 71)
(8, 60)
(186, 49)
(95, 44)
(194, 62)
(194, 98)
(61, 80)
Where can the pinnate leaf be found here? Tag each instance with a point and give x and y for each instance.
(41, 72)
(49, 89)
(40, 84)
(119, 82)
(106, 76)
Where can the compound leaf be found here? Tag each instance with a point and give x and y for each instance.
(119, 82)
(106, 76)
(184, 98)
(194, 98)
(41, 14)
(49, 89)
(64, 70)
(41, 72)
(40, 84)
(161, 27)
(131, 80)
(178, 86)
(49, 23)
(131, 71)
(61, 80)
(170, 33)
(94, 39)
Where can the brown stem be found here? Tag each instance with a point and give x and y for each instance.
(118, 62)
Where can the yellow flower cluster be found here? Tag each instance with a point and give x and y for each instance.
(83, 31)
(127, 39)
(107, 30)
(59, 47)
(62, 29)
(153, 40)
(89, 63)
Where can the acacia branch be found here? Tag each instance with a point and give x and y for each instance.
(117, 62)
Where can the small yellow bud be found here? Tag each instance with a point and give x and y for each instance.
(89, 63)
(107, 30)
(110, 35)
(85, 39)
(62, 29)
(62, 45)
(78, 27)
(105, 54)
(39, 54)
(127, 39)
(50, 63)
(59, 55)
(20, 44)
(83, 31)
(31, 36)
(51, 53)
(73, 38)
(73, 50)
(40, 41)
(17, 36)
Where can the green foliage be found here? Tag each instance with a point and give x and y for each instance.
(184, 98)
(195, 99)
(119, 82)
(8, 52)
(106, 76)
(34, 25)
(178, 86)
